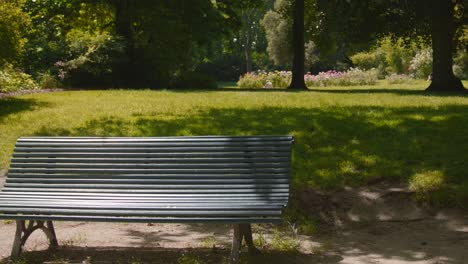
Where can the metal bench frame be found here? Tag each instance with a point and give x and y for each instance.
(40, 168)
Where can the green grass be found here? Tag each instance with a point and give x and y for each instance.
(344, 135)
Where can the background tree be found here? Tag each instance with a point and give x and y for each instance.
(297, 81)
(13, 26)
(435, 21)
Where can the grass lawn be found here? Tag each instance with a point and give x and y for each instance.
(344, 135)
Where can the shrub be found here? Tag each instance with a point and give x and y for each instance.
(250, 80)
(460, 67)
(421, 64)
(397, 54)
(398, 78)
(12, 79)
(368, 60)
(92, 55)
(47, 80)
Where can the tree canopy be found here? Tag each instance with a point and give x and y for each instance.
(124, 43)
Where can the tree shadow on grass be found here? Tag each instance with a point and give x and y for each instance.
(108, 255)
(12, 105)
(334, 146)
(331, 90)
(389, 91)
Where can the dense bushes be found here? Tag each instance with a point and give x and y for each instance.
(387, 57)
(12, 80)
(281, 79)
(393, 59)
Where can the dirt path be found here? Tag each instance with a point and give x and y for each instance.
(440, 237)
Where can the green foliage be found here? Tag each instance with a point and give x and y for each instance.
(281, 242)
(398, 55)
(460, 67)
(46, 80)
(94, 54)
(390, 57)
(12, 80)
(312, 56)
(57, 27)
(427, 181)
(369, 60)
(13, 25)
(209, 242)
(188, 259)
(278, 33)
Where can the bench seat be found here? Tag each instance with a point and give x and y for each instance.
(213, 179)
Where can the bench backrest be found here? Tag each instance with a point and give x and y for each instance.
(210, 167)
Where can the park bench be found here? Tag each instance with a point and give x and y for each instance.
(210, 179)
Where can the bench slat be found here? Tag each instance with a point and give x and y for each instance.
(161, 213)
(177, 144)
(149, 176)
(124, 185)
(149, 181)
(136, 195)
(178, 160)
(154, 149)
(147, 166)
(158, 139)
(168, 171)
(152, 191)
(227, 220)
(249, 155)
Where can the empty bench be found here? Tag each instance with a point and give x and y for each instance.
(211, 179)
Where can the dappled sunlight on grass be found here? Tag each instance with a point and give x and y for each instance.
(341, 138)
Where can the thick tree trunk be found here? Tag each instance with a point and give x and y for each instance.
(442, 32)
(297, 81)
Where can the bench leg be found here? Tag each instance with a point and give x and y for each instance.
(247, 233)
(23, 232)
(241, 232)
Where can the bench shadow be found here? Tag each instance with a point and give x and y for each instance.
(108, 255)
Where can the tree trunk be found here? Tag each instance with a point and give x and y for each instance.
(248, 60)
(297, 81)
(442, 33)
(123, 23)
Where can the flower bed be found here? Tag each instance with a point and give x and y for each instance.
(281, 79)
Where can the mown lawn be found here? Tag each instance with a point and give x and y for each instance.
(344, 135)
